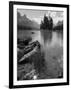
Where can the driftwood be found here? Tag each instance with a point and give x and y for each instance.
(28, 54)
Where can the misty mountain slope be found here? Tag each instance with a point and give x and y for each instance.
(25, 23)
(58, 26)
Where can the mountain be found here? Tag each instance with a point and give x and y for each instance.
(58, 26)
(60, 23)
(25, 23)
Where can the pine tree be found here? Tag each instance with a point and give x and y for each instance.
(47, 23)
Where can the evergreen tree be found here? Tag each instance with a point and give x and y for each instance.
(47, 23)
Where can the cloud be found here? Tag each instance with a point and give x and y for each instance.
(38, 20)
(37, 15)
(59, 14)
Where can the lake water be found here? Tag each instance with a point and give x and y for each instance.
(48, 38)
(51, 44)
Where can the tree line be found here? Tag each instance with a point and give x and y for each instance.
(47, 24)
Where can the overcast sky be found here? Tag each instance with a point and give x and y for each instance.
(38, 15)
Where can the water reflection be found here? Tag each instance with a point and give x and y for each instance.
(53, 52)
(55, 40)
(47, 38)
(52, 47)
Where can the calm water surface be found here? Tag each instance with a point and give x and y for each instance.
(51, 44)
(49, 38)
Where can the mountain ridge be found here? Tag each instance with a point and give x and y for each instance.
(25, 23)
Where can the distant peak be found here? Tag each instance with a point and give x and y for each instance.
(24, 16)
